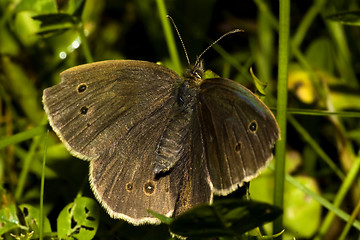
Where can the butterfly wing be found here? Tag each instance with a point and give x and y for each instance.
(192, 181)
(113, 113)
(238, 133)
(181, 147)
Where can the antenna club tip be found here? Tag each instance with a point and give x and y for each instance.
(238, 30)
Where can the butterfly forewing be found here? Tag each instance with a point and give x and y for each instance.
(114, 113)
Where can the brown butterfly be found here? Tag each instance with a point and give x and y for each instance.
(156, 140)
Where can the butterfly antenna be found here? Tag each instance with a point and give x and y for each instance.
(178, 33)
(215, 42)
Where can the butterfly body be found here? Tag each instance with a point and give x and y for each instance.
(156, 140)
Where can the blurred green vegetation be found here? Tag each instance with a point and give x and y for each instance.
(41, 38)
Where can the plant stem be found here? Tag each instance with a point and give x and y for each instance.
(284, 29)
(85, 45)
(169, 36)
(42, 186)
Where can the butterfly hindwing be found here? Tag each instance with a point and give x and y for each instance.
(189, 175)
(238, 132)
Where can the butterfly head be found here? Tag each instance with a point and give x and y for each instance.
(195, 73)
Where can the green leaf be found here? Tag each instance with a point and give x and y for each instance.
(79, 219)
(32, 219)
(8, 216)
(344, 98)
(22, 136)
(54, 19)
(55, 23)
(260, 86)
(354, 135)
(79, 8)
(43, 6)
(320, 54)
(162, 218)
(229, 217)
(209, 74)
(299, 206)
(347, 18)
